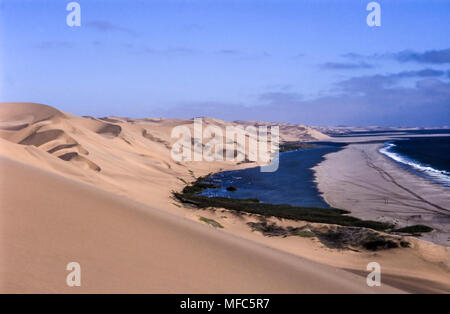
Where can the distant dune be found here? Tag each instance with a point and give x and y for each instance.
(120, 152)
(98, 191)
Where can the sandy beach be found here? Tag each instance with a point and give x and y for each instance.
(99, 191)
(372, 186)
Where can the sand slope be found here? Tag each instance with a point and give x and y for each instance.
(122, 155)
(123, 246)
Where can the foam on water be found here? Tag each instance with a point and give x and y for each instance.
(440, 176)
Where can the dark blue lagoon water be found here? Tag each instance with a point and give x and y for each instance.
(428, 157)
(293, 182)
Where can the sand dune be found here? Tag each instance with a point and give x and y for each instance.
(124, 246)
(111, 146)
(98, 191)
(290, 132)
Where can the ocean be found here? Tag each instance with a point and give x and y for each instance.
(428, 157)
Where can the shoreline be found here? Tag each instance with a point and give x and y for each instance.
(423, 169)
(371, 186)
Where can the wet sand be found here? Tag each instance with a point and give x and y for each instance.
(370, 185)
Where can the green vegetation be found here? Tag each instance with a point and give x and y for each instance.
(190, 195)
(211, 222)
(350, 232)
(334, 237)
(198, 188)
(268, 230)
(272, 230)
(288, 146)
(304, 234)
(347, 237)
(414, 229)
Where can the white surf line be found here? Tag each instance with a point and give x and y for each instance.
(440, 175)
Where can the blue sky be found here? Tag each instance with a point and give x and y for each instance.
(313, 62)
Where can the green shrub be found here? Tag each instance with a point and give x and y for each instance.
(211, 222)
(190, 195)
(414, 229)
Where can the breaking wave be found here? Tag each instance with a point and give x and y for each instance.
(441, 176)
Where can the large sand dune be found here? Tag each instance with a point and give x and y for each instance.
(98, 191)
(124, 246)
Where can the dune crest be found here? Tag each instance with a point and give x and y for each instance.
(82, 141)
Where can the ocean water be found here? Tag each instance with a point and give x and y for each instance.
(293, 182)
(428, 157)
